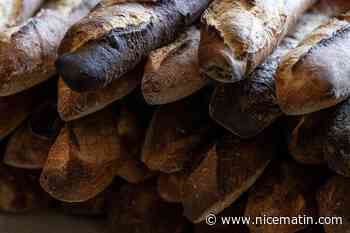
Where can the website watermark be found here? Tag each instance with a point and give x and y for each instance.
(212, 220)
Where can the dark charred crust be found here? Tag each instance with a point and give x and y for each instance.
(248, 107)
(336, 145)
(82, 74)
(99, 62)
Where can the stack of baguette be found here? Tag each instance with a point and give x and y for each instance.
(156, 114)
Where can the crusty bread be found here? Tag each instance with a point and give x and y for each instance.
(246, 33)
(172, 72)
(115, 37)
(29, 146)
(14, 12)
(73, 105)
(316, 74)
(28, 51)
(248, 107)
(83, 160)
(227, 170)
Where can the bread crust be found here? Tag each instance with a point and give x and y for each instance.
(249, 32)
(83, 160)
(115, 37)
(336, 139)
(314, 76)
(305, 138)
(73, 105)
(14, 12)
(286, 189)
(172, 72)
(28, 51)
(175, 132)
(29, 146)
(228, 170)
(248, 107)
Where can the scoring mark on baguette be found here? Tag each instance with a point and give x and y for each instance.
(338, 34)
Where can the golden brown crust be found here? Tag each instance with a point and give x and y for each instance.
(250, 30)
(132, 135)
(172, 72)
(14, 12)
(28, 51)
(175, 132)
(248, 107)
(73, 105)
(83, 160)
(313, 76)
(230, 168)
(26, 151)
(29, 146)
(100, 21)
(286, 190)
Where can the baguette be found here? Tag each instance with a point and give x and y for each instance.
(16, 108)
(286, 190)
(333, 201)
(29, 146)
(335, 142)
(237, 36)
(119, 36)
(314, 75)
(83, 160)
(28, 51)
(73, 105)
(248, 107)
(132, 135)
(305, 138)
(14, 12)
(172, 72)
(229, 169)
(175, 132)
(171, 187)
